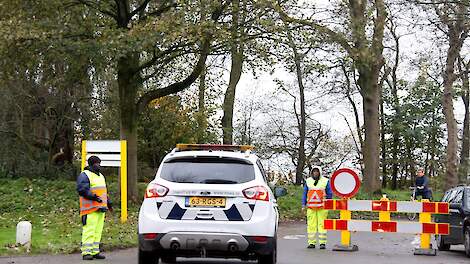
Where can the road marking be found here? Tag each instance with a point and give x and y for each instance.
(293, 237)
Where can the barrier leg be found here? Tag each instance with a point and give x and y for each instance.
(385, 216)
(425, 248)
(345, 236)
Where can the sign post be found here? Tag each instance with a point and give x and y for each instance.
(345, 183)
(113, 153)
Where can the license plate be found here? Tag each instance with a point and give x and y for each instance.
(205, 202)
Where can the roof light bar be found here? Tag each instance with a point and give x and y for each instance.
(186, 147)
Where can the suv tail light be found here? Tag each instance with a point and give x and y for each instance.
(256, 193)
(156, 190)
(150, 236)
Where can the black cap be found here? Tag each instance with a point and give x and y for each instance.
(92, 160)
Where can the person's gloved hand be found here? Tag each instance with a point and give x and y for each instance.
(110, 206)
(97, 198)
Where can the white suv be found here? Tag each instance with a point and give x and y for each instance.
(209, 201)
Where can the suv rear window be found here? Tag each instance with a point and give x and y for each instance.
(208, 170)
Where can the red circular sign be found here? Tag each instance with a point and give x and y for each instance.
(345, 183)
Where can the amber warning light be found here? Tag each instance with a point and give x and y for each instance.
(183, 147)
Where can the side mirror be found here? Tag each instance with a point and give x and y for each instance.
(279, 192)
(455, 206)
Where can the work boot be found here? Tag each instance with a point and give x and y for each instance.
(87, 257)
(99, 256)
(311, 246)
(322, 246)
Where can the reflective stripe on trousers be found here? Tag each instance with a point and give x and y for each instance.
(91, 233)
(315, 219)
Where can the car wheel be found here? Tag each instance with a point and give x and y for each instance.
(169, 260)
(147, 257)
(270, 258)
(441, 245)
(467, 241)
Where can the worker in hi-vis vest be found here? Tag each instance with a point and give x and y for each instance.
(316, 189)
(94, 202)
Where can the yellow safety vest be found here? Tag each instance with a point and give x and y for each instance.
(316, 193)
(98, 187)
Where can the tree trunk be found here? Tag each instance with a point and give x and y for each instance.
(396, 105)
(356, 118)
(358, 131)
(236, 52)
(464, 155)
(301, 122)
(201, 115)
(368, 81)
(383, 145)
(129, 83)
(455, 45)
(433, 143)
(229, 99)
(368, 58)
(395, 166)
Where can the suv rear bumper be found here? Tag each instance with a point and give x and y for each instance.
(224, 245)
(262, 223)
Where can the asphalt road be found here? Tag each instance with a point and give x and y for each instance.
(373, 248)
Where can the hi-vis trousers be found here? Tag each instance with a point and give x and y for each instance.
(315, 219)
(91, 233)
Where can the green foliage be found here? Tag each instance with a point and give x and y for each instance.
(162, 126)
(419, 123)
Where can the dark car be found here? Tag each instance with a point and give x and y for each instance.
(458, 218)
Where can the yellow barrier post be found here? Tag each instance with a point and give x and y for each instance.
(425, 238)
(345, 234)
(384, 216)
(83, 154)
(425, 247)
(123, 181)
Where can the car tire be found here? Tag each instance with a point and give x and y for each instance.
(147, 257)
(270, 258)
(441, 245)
(169, 260)
(466, 241)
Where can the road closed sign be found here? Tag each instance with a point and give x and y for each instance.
(345, 183)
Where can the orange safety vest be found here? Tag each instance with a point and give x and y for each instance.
(98, 187)
(316, 193)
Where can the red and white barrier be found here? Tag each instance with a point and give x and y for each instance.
(386, 227)
(388, 206)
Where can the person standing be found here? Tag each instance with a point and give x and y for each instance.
(94, 202)
(316, 189)
(422, 185)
